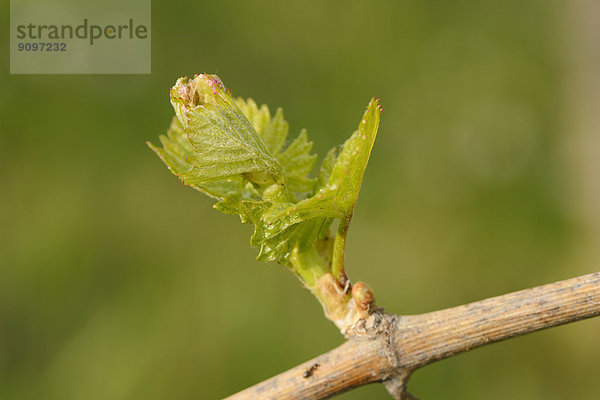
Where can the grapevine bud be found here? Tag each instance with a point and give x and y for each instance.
(188, 94)
(363, 297)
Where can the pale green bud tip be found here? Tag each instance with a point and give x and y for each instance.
(202, 89)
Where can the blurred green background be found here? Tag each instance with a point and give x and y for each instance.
(116, 282)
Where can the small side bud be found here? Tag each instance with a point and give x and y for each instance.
(363, 297)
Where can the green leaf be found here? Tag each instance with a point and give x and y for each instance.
(174, 153)
(275, 239)
(226, 187)
(273, 131)
(349, 168)
(298, 162)
(296, 159)
(277, 244)
(224, 142)
(340, 178)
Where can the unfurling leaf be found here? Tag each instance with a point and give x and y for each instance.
(225, 143)
(349, 168)
(340, 178)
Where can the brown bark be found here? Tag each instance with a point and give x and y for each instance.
(388, 348)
